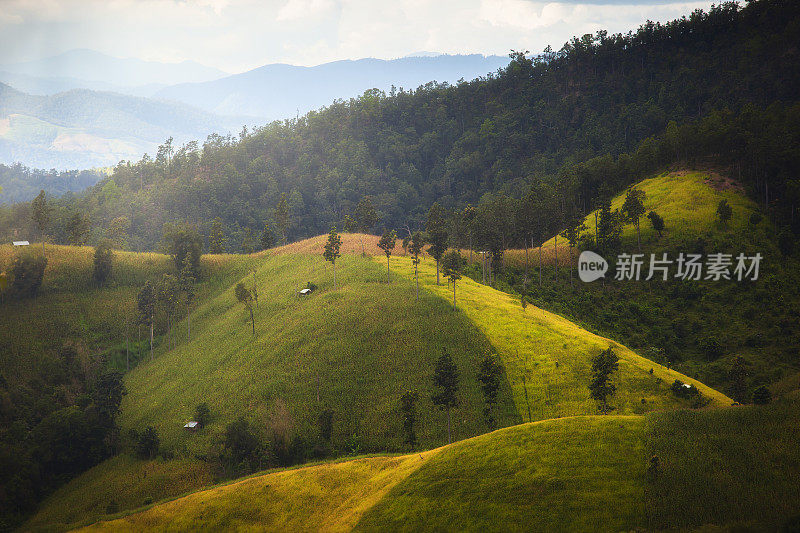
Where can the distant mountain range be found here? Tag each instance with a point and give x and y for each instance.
(81, 128)
(85, 109)
(280, 91)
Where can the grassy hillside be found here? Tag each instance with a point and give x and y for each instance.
(553, 354)
(354, 350)
(571, 474)
(679, 322)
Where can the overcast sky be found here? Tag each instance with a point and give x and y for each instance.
(237, 35)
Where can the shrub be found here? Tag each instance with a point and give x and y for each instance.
(147, 443)
(102, 262)
(755, 218)
(711, 348)
(762, 396)
(202, 414)
(27, 272)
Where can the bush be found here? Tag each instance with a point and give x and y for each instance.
(711, 348)
(102, 263)
(27, 272)
(762, 396)
(147, 443)
(202, 414)
(241, 449)
(681, 390)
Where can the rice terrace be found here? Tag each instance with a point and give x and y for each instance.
(291, 273)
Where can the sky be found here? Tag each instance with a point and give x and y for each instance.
(238, 35)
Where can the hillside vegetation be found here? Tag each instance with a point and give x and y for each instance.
(698, 327)
(571, 474)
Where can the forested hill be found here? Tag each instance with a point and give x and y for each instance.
(713, 84)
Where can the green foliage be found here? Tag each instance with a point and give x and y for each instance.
(365, 215)
(724, 212)
(326, 424)
(387, 242)
(78, 227)
(489, 375)
(216, 241)
(445, 380)
(183, 241)
(737, 376)
(202, 414)
(762, 396)
(27, 272)
(408, 409)
(283, 217)
(602, 387)
(241, 450)
(147, 443)
(103, 262)
(40, 212)
(267, 237)
(332, 247)
(657, 222)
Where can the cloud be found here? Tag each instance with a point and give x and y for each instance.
(304, 9)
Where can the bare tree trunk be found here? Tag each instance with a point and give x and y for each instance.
(416, 278)
(334, 275)
(253, 321)
(388, 281)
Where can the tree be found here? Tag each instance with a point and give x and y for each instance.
(572, 233)
(184, 241)
(77, 229)
(147, 443)
(737, 376)
(602, 388)
(40, 212)
(609, 228)
(103, 257)
(331, 253)
(202, 414)
(445, 379)
(267, 237)
(417, 242)
(365, 218)
(633, 209)
(762, 396)
(387, 243)
(452, 263)
(167, 296)
(146, 303)
(27, 273)
(283, 217)
(216, 241)
(248, 246)
(657, 222)
(240, 448)
(187, 280)
(437, 234)
(244, 296)
(489, 373)
(408, 408)
(118, 231)
(724, 212)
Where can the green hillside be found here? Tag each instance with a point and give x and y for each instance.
(698, 327)
(570, 474)
(354, 350)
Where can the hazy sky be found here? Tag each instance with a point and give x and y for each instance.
(236, 35)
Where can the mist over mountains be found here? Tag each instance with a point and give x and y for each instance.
(85, 109)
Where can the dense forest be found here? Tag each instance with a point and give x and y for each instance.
(21, 184)
(712, 85)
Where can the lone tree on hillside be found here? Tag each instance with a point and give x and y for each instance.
(445, 379)
(657, 222)
(572, 233)
(187, 280)
(40, 212)
(102, 262)
(437, 234)
(633, 209)
(27, 273)
(408, 407)
(244, 296)
(724, 212)
(216, 241)
(331, 252)
(387, 243)
(489, 377)
(417, 242)
(146, 302)
(602, 388)
(365, 218)
(452, 263)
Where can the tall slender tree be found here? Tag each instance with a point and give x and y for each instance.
(417, 242)
(244, 296)
(437, 234)
(40, 211)
(331, 252)
(445, 380)
(365, 218)
(452, 263)
(387, 243)
(633, 210)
